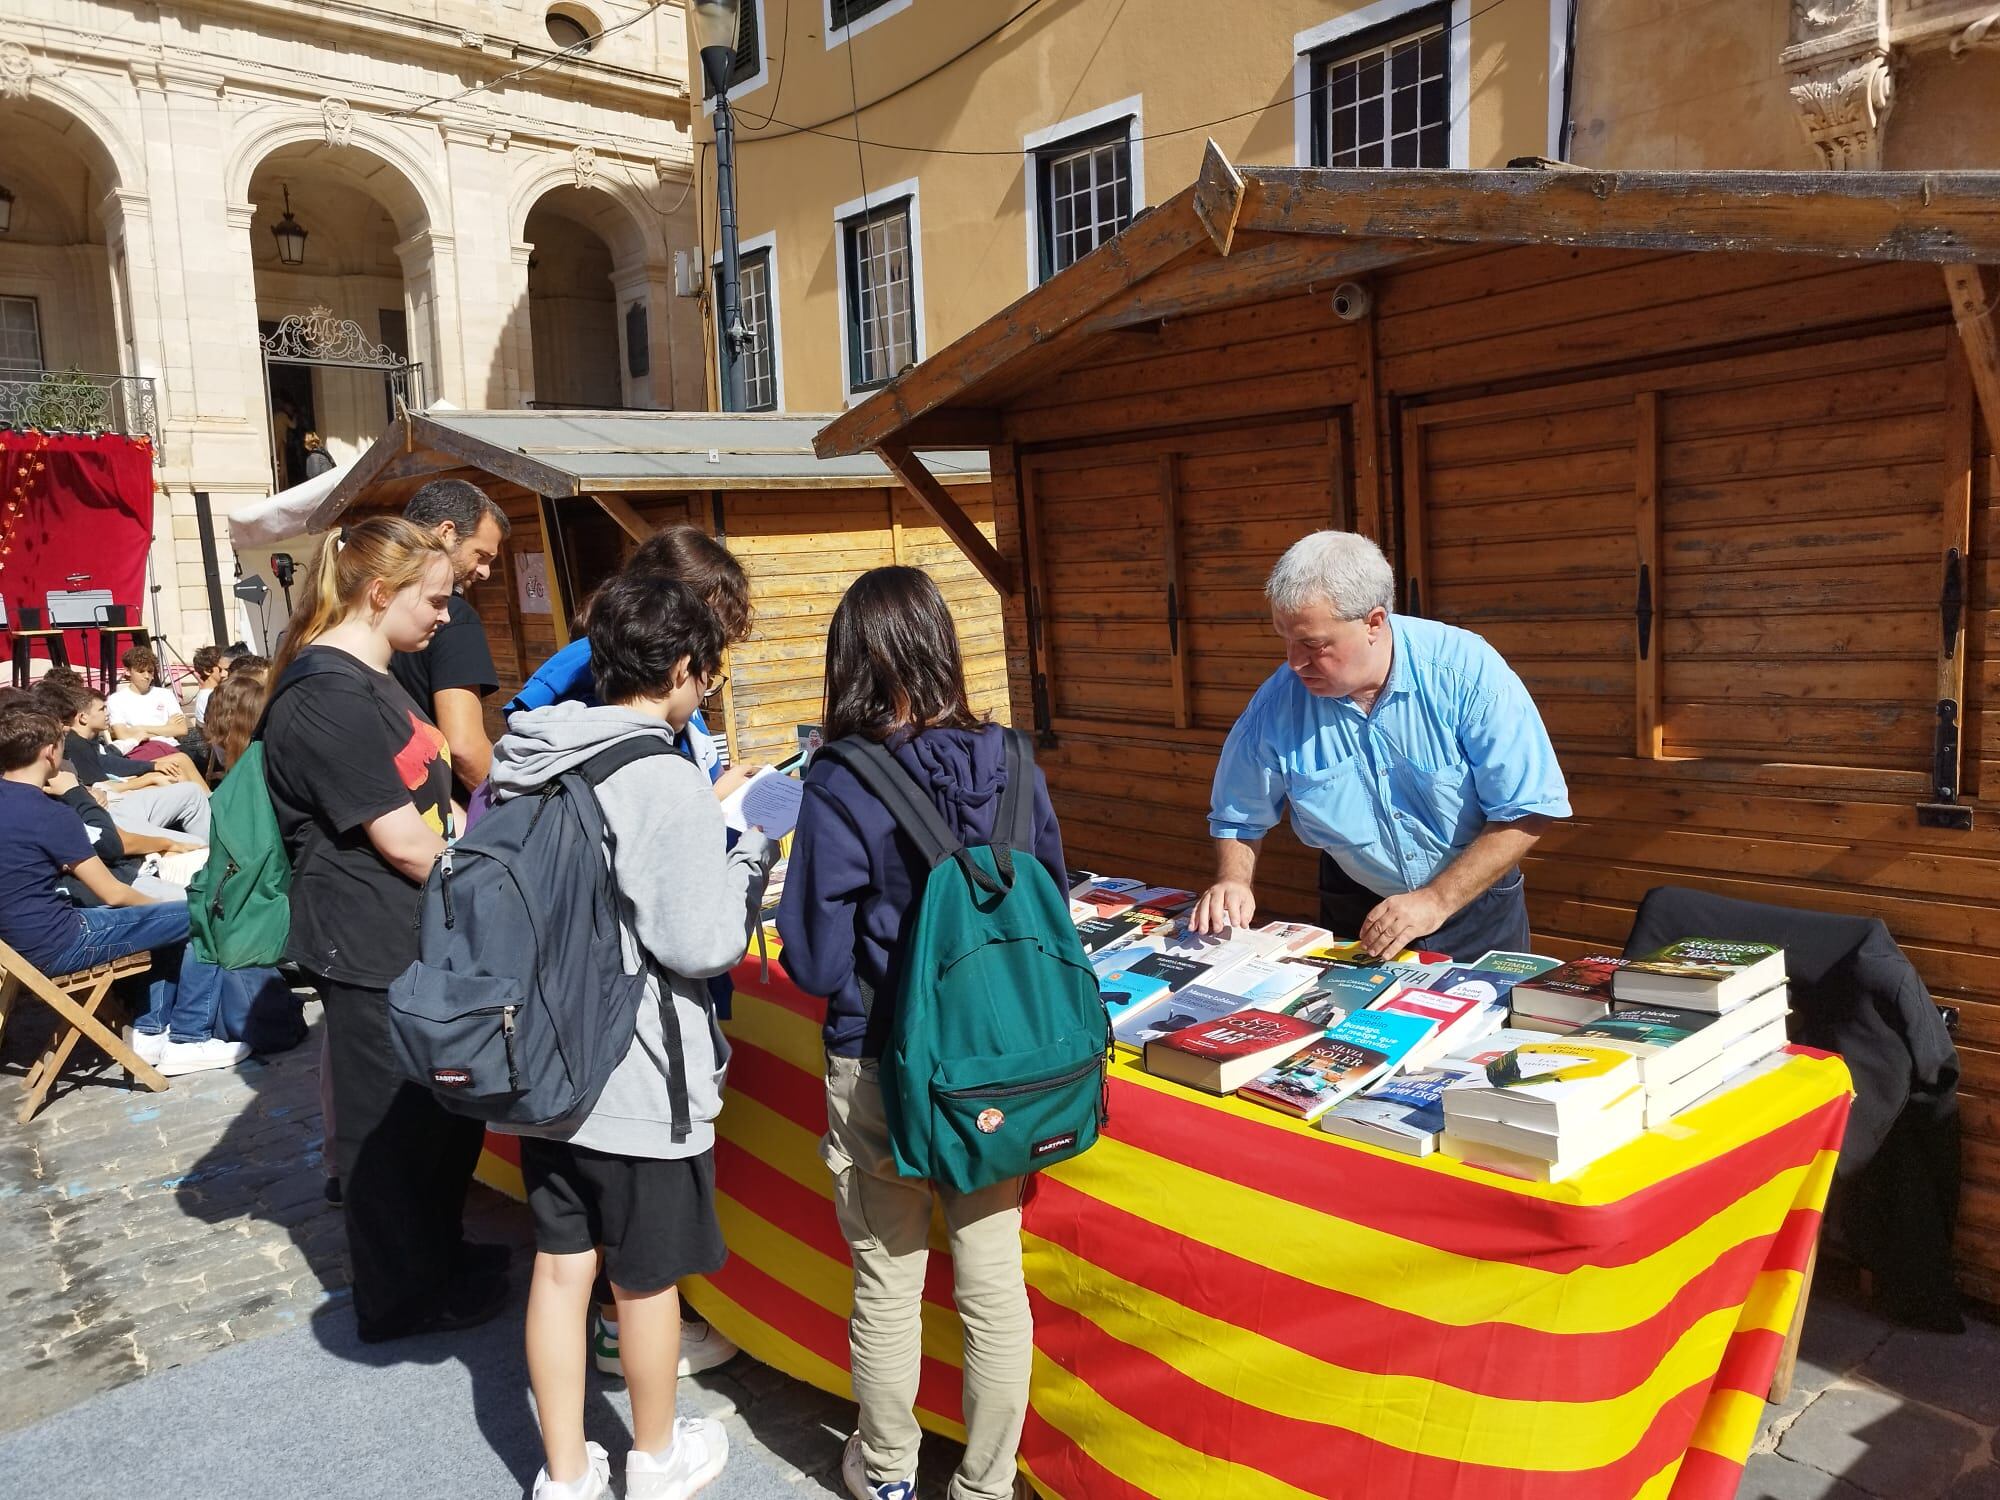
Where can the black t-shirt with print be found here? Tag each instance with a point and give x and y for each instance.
(343, 745)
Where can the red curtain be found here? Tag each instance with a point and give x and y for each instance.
(82, 521)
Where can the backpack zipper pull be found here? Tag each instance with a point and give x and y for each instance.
(507, 1039)
(444, 888)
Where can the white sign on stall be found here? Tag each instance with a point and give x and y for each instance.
(531, 579)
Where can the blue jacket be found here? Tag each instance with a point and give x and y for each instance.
(853, 879)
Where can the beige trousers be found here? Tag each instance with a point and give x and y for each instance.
(886, 1221)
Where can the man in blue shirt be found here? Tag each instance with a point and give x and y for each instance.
(1409, 754)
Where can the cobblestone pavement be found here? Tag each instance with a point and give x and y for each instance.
(142, 1231)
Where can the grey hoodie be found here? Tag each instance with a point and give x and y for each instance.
(688, 901)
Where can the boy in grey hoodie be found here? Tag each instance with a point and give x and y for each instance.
(616, 1177)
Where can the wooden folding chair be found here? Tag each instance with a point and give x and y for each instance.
(76, 998)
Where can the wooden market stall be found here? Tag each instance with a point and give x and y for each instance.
(1709, 457)
(584, 488)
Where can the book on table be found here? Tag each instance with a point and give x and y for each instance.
(1297, 937)
(1262, 981)
(1346, 1060)
(1142, 1021)
(1459, 1019)
(1542, 1155)
(1666, 1100)
(1178, 971)
(1551, 1084)
(1339, 992)
(1098, 933)
(1520, 965)
(1567, 995)
(1122, 987)
(1221, 1056)
(1491, 985)
(1701, 974)
(1165, 900)
(1667, 1041)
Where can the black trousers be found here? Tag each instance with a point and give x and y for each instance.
(1496, 918)
(405, 1163)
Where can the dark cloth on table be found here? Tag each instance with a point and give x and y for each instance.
(1894, 1202)
(1497, 918)
(344, 745)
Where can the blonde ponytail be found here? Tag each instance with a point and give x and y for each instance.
(382, 547)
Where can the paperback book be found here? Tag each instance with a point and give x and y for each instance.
(1176, 970)
(1122, 987)
(1343, 1062)
(1553, 1085)
(1702, 973)
(1567, 995)
(1520, 965)
(1489, 985)
(1143, 1021)
(1457, 1019)
(1264, 982)
(1667, 1042)
(1402, 1113)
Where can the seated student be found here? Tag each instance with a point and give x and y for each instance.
(894, 674)
(144, 798)
(209, 663)
(251, 664)
(40, 841)
(619, 1177)
(233, 711)
(143, 708)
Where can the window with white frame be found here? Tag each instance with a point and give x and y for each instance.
(1382, 98)
(20, 336)
(845, 13)
(1084, 194)
(760, 370)
(749, 59)
(881, 294)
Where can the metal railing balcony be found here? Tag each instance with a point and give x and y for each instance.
(64, 401)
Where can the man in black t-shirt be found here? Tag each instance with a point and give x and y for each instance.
(449, 677)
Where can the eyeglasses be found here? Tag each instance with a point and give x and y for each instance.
(715, 686)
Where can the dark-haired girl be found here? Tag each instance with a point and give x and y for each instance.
(894, 674)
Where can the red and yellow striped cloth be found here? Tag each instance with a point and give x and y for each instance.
(1233, 1306)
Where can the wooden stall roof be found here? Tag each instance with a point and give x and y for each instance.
(571, 453)
(1239, 235)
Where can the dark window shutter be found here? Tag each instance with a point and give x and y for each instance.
(749, 44)
(845, 12)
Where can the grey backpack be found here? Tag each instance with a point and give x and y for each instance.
(518, 1008)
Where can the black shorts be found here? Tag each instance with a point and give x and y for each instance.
(655, 1218)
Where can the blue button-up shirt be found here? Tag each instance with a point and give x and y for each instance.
(1452, 743)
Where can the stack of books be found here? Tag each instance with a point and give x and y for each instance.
(1686, 1054)
(1405, 1112)
(1545, 1110)
(1363, 1048)
(1566, 996)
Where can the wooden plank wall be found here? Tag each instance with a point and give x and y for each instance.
(801, 549)
(1771, 435)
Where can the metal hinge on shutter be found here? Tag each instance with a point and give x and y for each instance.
(1944, 810)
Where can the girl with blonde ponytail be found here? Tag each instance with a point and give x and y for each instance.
(361, 782)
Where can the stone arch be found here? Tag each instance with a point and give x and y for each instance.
(623, 225)
(409, 189)
(91, 130)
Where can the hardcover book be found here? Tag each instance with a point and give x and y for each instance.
(1220, 1056)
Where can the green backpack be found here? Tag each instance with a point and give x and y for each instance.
(995, 1066)
(240, 904)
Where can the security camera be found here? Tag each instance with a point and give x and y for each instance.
(1351, 302)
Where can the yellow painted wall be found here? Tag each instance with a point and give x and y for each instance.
(1192, 61)
(1697, 84)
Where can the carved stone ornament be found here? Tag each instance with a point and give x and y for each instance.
(584, 158)
(338, 118)
(1843, 103)
(17, 70)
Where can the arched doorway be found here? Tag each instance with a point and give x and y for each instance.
(588, 309)
(59, 308)
(343, 323)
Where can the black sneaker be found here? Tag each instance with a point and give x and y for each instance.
(333, 1191)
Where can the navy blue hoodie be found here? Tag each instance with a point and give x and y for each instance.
(853, 878)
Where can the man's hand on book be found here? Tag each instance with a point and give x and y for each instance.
(1227, 903)
(1399, 920)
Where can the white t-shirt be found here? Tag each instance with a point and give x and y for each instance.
(201, 704)
(156, 706)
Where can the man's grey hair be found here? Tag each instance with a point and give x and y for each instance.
(1340, 569)
(458, 501)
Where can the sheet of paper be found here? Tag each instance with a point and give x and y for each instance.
(769, 800)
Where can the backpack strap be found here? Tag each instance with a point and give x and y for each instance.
(914, 813)
(593, 773)
(1015, 822)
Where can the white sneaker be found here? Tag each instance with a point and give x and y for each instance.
(177, 1058)
(703, 1348)
(604, 1347)
(699, 1451)
(854, 1471)
(148, 1046)
(595, 1484)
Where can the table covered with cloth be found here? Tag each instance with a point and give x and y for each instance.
(1232, 1305)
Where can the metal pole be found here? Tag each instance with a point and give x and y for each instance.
(730, 334)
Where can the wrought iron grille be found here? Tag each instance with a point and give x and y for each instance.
(78, 401)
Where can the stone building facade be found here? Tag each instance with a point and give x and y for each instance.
(495, 217)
